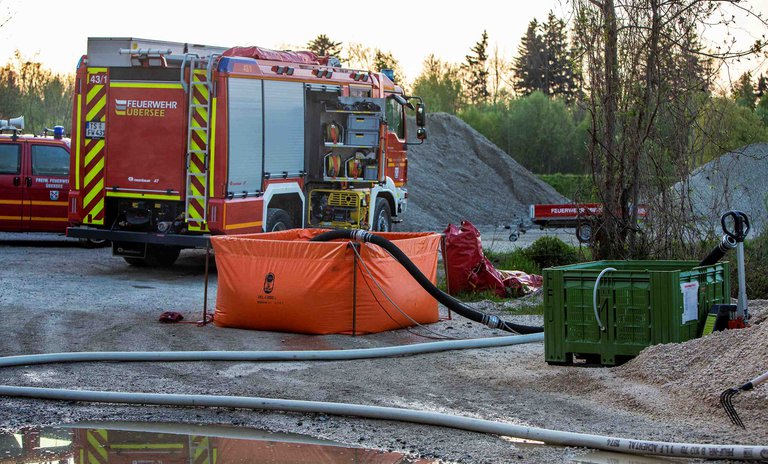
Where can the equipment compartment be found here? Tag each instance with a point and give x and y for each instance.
(363, 139)
(361, 122)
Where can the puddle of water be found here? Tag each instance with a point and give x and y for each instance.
(607, 457)
(147, 443)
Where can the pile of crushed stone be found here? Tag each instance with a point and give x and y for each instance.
(735, 180)
(697, 371)
(458, 174)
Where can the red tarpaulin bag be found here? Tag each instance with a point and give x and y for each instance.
(259, 53)
(468, 270)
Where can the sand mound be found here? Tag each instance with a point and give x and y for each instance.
(697, 371)
(458, 174)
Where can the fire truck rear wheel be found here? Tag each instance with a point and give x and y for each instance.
(157, 256)
(93, 243)
(278, 219)
(382, 216)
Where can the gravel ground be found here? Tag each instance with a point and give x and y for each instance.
(57, 296)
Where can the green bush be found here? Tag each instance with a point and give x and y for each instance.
(551, 251)
(515, 260)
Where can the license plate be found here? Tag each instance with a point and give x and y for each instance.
(95, 129)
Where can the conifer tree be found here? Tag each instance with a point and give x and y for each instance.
(476, 71)
(322, 45)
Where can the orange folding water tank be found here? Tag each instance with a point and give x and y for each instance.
(281, 281)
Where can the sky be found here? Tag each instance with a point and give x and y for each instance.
(55, 32)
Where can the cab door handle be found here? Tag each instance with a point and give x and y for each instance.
(29, 181)
(16, 181)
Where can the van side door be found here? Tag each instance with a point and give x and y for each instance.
(47, 188)
(11, 187)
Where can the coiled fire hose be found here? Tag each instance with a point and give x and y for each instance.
(447, 300)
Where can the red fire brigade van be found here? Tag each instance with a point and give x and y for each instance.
(34, 180)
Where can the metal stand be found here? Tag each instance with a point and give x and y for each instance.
(205, 291)
(445, 270)
(356, 249)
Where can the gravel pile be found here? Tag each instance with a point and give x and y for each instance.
(736, 180)
(458, 174)
(697, 371)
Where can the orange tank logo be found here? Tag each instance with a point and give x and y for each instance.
(269, 283)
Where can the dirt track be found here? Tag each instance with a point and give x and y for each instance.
(106, 305)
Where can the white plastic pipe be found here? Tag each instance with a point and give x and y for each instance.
(553, 437)
(594, 296)
(254, 356)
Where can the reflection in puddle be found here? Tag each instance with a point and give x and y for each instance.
(607, 457)
(139, 443)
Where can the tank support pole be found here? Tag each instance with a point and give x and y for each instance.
(205, 289)
(356, 247)
(443, 250)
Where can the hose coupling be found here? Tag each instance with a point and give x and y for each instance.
(361, 236)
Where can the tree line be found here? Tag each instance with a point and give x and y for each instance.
(28, 89)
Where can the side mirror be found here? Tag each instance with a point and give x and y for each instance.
(421, 116)
(421, 134)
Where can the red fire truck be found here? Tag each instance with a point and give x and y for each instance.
(34, 179)
(174, 142)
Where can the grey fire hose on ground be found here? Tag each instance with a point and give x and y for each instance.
(553, 437)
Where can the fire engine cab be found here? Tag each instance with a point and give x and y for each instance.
(174, 142)
(34, 179)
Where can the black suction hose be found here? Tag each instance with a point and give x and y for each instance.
(447, 300)
(717, 253)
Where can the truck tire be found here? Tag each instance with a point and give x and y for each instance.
(278, 219)
(93, 243)
(382, 216)
(157, 256)
(584, 232)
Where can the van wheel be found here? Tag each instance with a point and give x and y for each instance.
(278, 219)
(382, 216)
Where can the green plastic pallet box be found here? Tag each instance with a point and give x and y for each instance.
(639, 304)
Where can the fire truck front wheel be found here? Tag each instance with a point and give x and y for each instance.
(382, 216)
(157, 256)
(278, 219)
